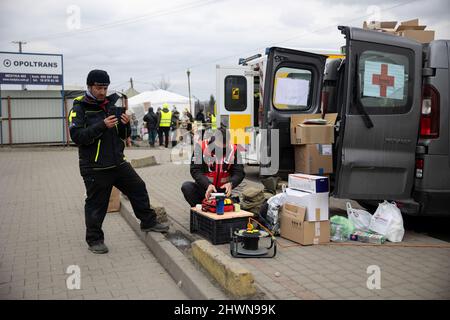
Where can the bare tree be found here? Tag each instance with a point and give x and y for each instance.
(162, 84)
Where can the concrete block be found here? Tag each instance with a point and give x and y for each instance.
(143, 162)
(234, 278)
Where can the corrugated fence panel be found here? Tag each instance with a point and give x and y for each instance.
(37, 116)
(37, 130)
(32, 108)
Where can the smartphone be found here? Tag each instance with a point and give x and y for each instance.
(116, 111)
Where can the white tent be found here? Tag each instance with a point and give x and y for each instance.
(139, 104)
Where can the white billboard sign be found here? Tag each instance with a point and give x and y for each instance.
(33, 69)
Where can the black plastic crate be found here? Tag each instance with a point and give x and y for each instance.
(216, 231)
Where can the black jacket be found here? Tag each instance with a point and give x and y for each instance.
(151, 119)
(200, 117)
(98, 147)
(237, 173)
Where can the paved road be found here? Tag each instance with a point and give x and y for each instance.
(42, 234)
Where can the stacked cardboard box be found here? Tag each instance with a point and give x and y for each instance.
(305, 214)
(114, 201)
(313, 143)
(409, 29)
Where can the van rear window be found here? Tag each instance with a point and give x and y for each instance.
(292, 89)
(383, 79)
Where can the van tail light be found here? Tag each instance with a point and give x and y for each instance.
(419, 168)
(429, 118)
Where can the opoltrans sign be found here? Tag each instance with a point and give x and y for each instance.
(31, 68)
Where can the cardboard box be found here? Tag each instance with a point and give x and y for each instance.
(376, 25)
(308, 183)
(114, 201)
(422, 36)
(314, 158)
(316, 204)
(294, 227)
(312, 133)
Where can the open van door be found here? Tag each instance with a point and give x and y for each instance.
(235, 101)
(293, 85)
(379, 114)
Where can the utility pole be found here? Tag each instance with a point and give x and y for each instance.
(189, 89)
(20, 51)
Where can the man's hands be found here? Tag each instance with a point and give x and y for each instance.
(111, 121)
(227, 186)
(211, 189)
(124, 118)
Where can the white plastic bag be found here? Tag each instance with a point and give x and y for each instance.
(274, 204)
(388, 221)
(360, 218)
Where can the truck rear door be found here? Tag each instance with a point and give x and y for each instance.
(235, 101)
(293, 85)
(380, 113)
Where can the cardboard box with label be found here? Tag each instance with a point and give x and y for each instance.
(316, 204)
(303, 133)
(314, 158)
(409, 29)
(114, 201)
(308, 183)
(294, 227)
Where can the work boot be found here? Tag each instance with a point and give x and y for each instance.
(99, 248)
(158, 227)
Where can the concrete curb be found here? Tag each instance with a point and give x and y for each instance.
(143, 162)
(231, 275)
(191, 281)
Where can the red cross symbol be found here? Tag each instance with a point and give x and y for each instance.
(383, 80)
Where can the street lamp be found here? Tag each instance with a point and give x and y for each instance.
(189, 89)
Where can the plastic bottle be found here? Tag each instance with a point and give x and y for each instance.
(367, 237)
(336, 233)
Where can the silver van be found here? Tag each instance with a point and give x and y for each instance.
(392, 135)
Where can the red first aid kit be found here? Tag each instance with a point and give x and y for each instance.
(211, 205)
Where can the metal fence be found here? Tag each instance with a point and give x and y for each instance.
(35, 117)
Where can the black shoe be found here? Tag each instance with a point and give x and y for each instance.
(99, 248)
(158, 227)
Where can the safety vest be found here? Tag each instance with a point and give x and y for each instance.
(218, 171)
(213, 122)
(166, 119)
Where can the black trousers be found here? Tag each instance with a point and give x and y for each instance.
(193, 193)
(99, 184)
(165, 131)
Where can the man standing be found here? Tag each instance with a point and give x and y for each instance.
(215, 166)
(164, 124)
(151, 120)
(99, 129)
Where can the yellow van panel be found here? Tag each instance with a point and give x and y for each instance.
(238, 123)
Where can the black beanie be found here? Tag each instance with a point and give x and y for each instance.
(97, 77)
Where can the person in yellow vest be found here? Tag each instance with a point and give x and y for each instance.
(164, 123)
(213, 122)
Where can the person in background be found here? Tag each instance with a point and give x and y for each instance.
(200, 117)
(134, 128)
(174, 127)
(151, 120)
(190, 121)
(158, 129)
(164, 124)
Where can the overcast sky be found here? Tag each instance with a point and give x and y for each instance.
(146, 40)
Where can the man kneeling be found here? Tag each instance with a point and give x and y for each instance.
(216, 166)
